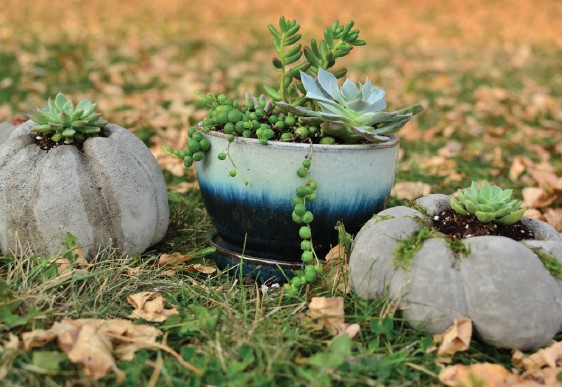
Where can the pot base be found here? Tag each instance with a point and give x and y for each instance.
(261, 266)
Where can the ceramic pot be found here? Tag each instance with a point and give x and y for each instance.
(253, 210)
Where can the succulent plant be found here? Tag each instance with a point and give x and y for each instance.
(488, 203)
(63, 121)
(351, 112)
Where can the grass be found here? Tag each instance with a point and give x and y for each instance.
(491, 84)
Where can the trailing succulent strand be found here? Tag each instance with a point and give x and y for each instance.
(302, 216)
(350, 112)
(488, 203)
(61, 120)
(338, 41)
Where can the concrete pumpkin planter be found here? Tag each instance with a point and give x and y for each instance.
(112, 193)
(501, 284)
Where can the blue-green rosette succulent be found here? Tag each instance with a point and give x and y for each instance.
(352, 112)
(488, 203)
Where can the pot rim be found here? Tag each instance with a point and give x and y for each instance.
(392, 142)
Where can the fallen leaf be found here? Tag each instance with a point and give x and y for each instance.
(534, 214)
(482, 375)
(93, 350)
(149, 306)
(554, 217)
(336, 270)
(64, 267)
(96, 343)
(199, 268)
(517, 168)
(535, 197)
(8, 349)
(408, 190)
(542, 366)
(36, 338)
(455, 339)
(328, 313)
(173, 259)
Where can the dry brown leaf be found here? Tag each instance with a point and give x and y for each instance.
(64, 266)
(149, 306)
(542, 366)
(534, 214)
(173, 259)
(409, 190)
(482, 375)
(336, 270)
(455, 339)
(36, 338)
(328, 313)
(199, 268)
(451, 149)
(554, 217)
(8, 349)
(93, 342)
(517, 168)
(93, 350)
(534, 197)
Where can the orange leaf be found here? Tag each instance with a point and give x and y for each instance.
(534, 197)
(542, 366)
(173, 259)
(149, 306)
(456, 338)
(336, 270)
(328, 313)
(483, 375)
(199, 268)
(409, 190)
(554, 217)
(36, 338)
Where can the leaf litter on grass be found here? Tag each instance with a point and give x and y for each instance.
(492, 87)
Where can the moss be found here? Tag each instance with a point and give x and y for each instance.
(551, 264)
(381, 218)
(404, 252)
(419, 208)
(458, 248)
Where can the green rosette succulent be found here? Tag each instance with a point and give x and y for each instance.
(61, 120)
(352, 112)
(488, 203)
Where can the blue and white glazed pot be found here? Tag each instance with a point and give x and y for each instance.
(354, 182)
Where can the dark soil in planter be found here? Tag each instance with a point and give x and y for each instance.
(461, 226)
(45, 143)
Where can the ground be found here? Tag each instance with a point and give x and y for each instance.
(488, 73)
